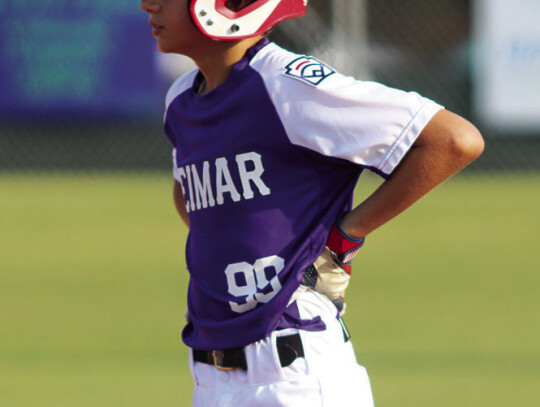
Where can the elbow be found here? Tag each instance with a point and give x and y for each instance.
(467, 144)
(452, 139)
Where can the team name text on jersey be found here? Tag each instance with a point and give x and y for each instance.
(199, 181)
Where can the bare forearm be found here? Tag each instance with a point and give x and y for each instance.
(447, 144)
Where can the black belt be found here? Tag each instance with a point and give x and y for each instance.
(289, 349)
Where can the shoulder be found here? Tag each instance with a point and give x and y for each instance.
(288, 70)
(306, 83)
(180, 85)
(305, 80)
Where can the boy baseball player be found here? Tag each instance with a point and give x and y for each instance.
(267, 149)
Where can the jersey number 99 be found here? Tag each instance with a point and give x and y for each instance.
(258, 283)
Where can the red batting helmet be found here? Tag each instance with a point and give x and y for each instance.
(218, 22)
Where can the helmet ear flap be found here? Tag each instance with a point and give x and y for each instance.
(230, 20)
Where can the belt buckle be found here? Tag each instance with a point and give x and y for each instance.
(217, 359)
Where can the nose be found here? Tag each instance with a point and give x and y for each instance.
(150, 6)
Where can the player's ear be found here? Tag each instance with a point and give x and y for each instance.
(231, 20)
(237, 5)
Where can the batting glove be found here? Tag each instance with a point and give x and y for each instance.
(344, 248)
(331, 272)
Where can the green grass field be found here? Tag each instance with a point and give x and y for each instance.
(444, 307)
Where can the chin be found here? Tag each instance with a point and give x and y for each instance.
(169, 48)
(163, 48)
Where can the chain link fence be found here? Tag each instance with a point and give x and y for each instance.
(416, 45)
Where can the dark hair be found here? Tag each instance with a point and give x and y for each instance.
(237, 5)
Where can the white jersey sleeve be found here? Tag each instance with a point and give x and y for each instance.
(364, 122)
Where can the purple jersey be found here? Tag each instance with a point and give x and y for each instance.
(267, 162)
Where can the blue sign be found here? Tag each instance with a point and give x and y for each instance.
(77, 56)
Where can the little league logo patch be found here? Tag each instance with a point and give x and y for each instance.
(309, 70)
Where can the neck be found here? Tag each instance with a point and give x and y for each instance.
(216, 63)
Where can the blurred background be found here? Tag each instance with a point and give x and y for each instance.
(82, 85)
(92, 276)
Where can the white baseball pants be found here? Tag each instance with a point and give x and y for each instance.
(327, 376)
